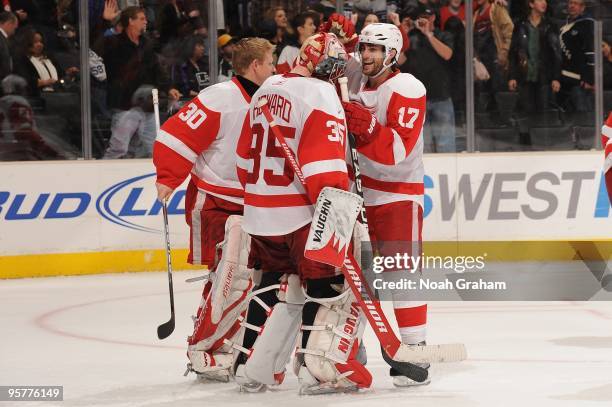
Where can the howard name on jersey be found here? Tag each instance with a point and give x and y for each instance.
(310, 117)
(202, 138)
(392, 164)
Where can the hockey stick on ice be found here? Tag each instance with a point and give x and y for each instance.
(165, 329)
(399, 356)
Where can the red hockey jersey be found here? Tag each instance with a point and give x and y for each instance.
(392, 165)
(310, 117)
(606, 142)
(201, 138)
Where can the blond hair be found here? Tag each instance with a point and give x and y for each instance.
(247, 50)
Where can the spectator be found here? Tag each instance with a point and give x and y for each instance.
(190, 75)
(492, 37)
(370, 18)
(8, 25)
(456, 28)
(17, 126)
(225, 42)
(26, 11)
(607, 62)
(279, 16)
(324, 9)
(427, 59)
(304, 25)
(455, 8)
(578, 59)
(130, 61)
(535, 59)
(172, 22)
(41, 72)
(133, 133)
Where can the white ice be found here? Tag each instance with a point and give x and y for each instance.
(96, 336)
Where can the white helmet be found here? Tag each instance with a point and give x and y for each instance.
(387, 35)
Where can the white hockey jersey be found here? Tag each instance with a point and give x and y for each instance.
(392, 165)
(310, 117)
(201, 138)
(606, 143)
(287, 59)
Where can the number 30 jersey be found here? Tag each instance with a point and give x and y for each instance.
(201, 138)
(392, 165)
(309, 115)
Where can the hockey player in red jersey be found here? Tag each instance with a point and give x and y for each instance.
(386, 116)
(278, 213)
(200, 139)
(606, 142)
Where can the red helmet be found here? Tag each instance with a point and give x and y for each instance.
(324, 56)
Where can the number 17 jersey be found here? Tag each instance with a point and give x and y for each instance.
(309, 115)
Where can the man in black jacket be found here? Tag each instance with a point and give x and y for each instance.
(8, 25)
(131, 62)
(535, 59)
(578, 63)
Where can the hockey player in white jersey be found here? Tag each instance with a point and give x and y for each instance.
(278, 212)
(606, 142)
(200, 139)
(386, 116)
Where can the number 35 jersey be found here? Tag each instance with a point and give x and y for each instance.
(392, 164)
(308, 113)
(201, 138)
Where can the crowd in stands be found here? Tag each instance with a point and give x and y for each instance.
(533, 66)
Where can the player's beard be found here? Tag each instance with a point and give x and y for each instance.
(373, 68)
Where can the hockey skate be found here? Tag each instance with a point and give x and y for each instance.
(309, 385)
(403, 381)
(201, 366)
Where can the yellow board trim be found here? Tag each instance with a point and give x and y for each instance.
(69, 264)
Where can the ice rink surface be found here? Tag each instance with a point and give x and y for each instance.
(96, 336)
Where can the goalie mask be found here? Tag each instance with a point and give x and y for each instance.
(324, 56)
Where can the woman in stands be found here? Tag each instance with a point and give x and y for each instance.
(40, 71)
(190, 75)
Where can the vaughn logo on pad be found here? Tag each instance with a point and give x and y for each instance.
(332, 226)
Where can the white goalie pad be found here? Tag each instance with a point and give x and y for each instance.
(332, 226)
(331, 351)
(273, 347)
(276, 339)
(228, 296)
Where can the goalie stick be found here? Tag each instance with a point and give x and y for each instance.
(399, 356)
(165, 329)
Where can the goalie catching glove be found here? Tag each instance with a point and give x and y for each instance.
(361, 122)
(343, 28)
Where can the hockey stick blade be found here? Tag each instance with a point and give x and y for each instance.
(443, 353)
(412, 371)
(166, 329)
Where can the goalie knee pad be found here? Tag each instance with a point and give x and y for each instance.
(224, 301)
(331, 334)
(271, 330)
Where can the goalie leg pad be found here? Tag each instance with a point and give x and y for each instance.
(225, 300)
(331, 342)
(275, 331)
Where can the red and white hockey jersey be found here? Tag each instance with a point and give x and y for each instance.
(606, 142)
(392, 165)
(201, 138)
(310, 117)
(287, 59)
